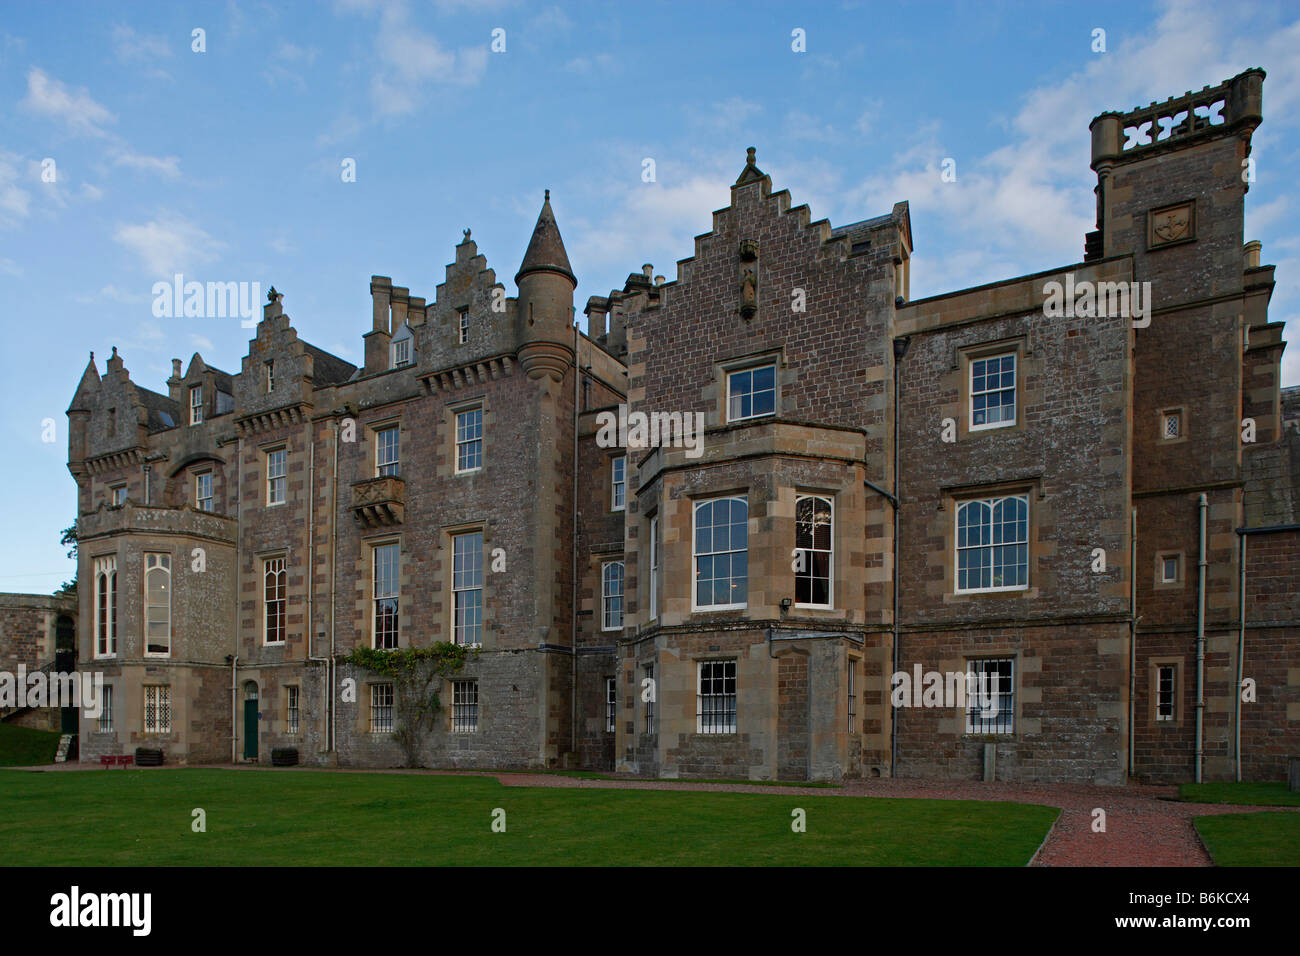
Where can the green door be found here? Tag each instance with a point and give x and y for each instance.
(250, 729)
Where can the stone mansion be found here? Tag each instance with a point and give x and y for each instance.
(1095, 515)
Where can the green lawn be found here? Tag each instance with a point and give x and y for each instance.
(1252, 839)
(312, 818)
(25, 747)
(1254, 794)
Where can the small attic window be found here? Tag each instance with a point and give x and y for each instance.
(270, 376)
(400, 349)
(464, 326)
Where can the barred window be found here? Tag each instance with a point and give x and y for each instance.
(993, 544)
(381, 708)
(654, 567)
(611, 705)
(469, 440)
(106, 606)
(716, 704)
(274, 596)
(203, 491)
(386, 451)
(385, 596)
(751, 393)
(612, 596)
(157, 709)
(291, 710)
(276, 469)
(1173, 425)
(993, 391)
(157, 605)
(196, 404)
(648, 694)
(722, 553)
(106, 710)
(852, 697)
(467, 588)
(464, 706)
(813, 536)
(618, 483)
(1165, 693)
(990, 697)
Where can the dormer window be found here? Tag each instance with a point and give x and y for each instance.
(400, 349)
(196, 404)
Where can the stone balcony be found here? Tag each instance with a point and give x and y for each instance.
(379, 501)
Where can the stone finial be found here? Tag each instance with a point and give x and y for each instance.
(272, 295)
(750, 156)
(466, 235)
(547, 197)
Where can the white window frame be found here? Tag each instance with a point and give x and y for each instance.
(1164, 561)
(750, 370)
(957, 547)
(388, 455)
(291, 712)
(464, 326)
(611, 705)
(157, 561)
(467, 444)
(400, 352)
(273, 475)
(1005, 718)
(695, 555)
(711, 726)
(161, 707)
(278, 605)
(618, 483)
(199, 497)
(1173, 692)
(196, 404)
(654, 567)
(608, 608)
(105, 720)
(382, 706)
(105, 606)
(118, 495)
(808, 562)
(972, 361)
(464, 707)
(1176, 416)
(466, 581)
(390, 592)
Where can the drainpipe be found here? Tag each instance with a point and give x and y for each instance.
(234, 727)
(333, 738)
(573, 600)
(1241, 650)
(1132, 636)
(900, 350)
(311, 571)
(1200, 642)
(147, 469)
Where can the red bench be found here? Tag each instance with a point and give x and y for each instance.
(122, 760)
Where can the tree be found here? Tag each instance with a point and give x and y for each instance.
(69, 540)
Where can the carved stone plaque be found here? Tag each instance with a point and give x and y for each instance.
(1171, 224)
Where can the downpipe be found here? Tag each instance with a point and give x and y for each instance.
(1200, 643)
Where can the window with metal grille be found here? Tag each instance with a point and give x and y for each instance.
(993, 391)
(203, 491)
(1165, 693)
(722, 553)
(469, 440)
(385, 596)
(275, 592)
(618, 484)
(464, 706)
(612, 596)
(1172, 425)
(715, 711)
(812, 539)
(993, 544)
(387, 441)
(648, 693)
(106, 710)
(106, 606)
(291, 709)
(990, 696)
(611, 705)
(276, 468)
(751, 393)
(157, 605)
(196, 404)
(157, 709)
(467, 588)
(852, 697)
(381, 708)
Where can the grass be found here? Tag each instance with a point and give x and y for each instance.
(1253, 794)
(314, 818)
(1252, 839)
(25, 746)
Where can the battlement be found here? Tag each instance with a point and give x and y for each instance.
(1234, 106)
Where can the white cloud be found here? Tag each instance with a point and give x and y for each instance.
(10, 268)
(48, 97)
(166, 166)
(112, 293)
(168, 244)
(15, 202)
(132, 47)
(603, 63)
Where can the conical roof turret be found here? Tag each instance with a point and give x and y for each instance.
(546, 248)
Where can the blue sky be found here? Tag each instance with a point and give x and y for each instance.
(225, 165)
